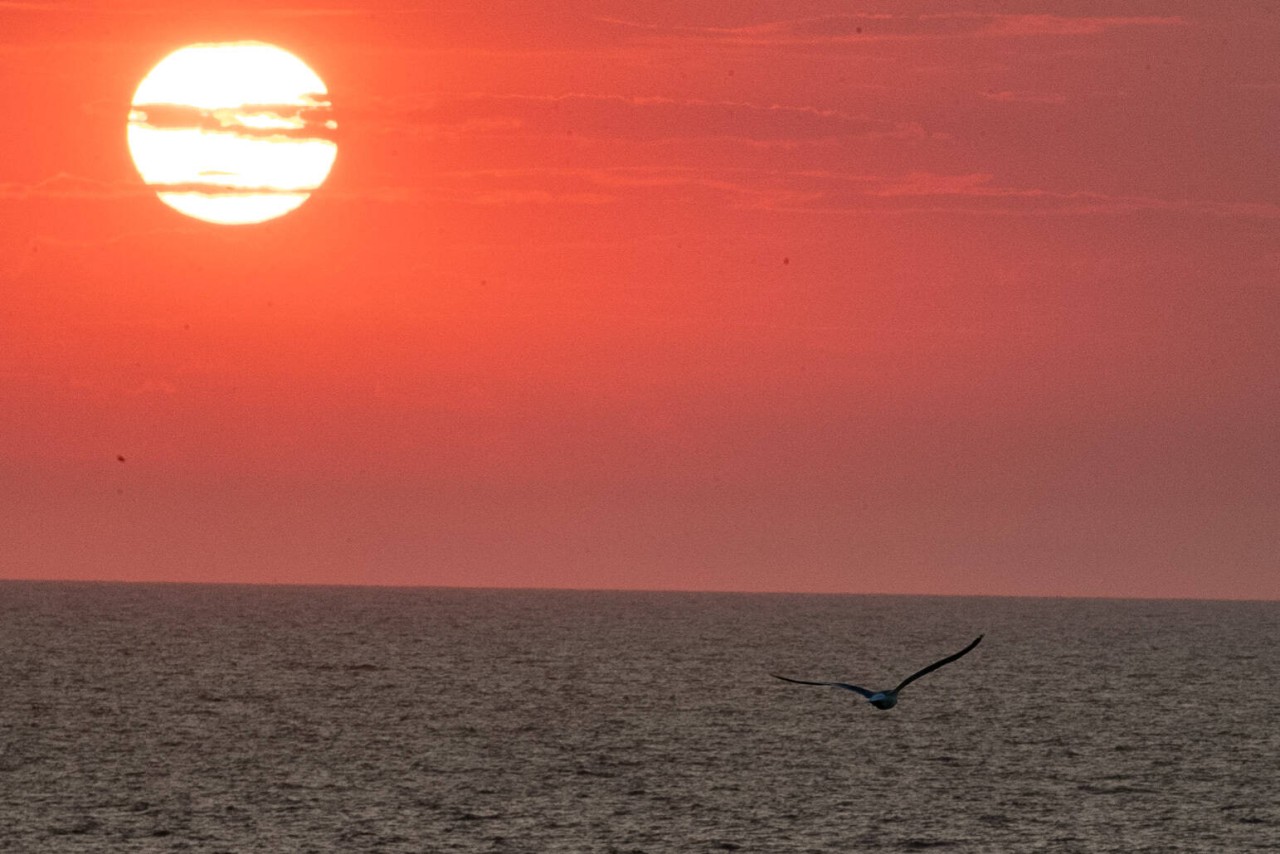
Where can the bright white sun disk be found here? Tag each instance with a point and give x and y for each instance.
(232, 133)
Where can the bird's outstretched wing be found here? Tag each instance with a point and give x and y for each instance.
(932, 667)
(846, 686)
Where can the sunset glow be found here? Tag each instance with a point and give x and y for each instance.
(902, 296)
(232, 133)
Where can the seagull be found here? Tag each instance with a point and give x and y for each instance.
(887, 699)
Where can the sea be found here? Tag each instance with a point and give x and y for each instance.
(167, 717)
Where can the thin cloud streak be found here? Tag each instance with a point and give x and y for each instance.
(1016, 97)
(269, 12)
(664, 101)
(610, 116)
(798, 192)
(844, 29)
(65, 185)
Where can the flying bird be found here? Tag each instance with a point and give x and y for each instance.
(888, 699)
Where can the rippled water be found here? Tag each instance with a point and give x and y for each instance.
(159, 718)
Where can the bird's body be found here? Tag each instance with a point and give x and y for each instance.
(886, 700)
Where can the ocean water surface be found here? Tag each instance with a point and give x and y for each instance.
(150, 718)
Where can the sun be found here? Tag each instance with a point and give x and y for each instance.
(232, 132)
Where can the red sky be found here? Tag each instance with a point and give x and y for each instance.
(932, 298)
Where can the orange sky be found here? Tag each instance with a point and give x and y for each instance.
(936, 298)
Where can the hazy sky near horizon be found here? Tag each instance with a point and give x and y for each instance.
(926, 297)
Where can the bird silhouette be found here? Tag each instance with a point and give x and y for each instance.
(888, 699)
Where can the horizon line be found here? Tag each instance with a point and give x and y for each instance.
(692, 591)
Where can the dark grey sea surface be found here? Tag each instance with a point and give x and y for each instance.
(149, 718)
